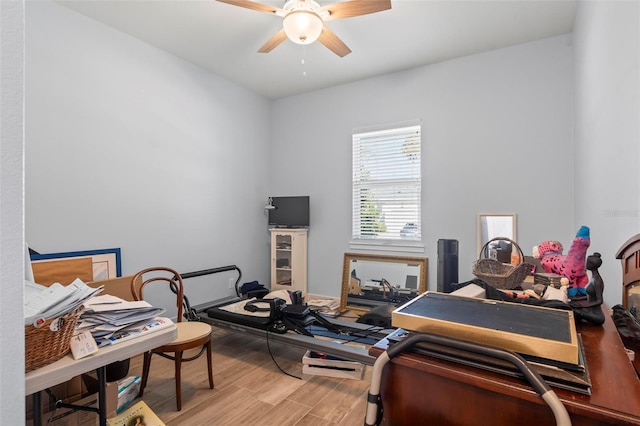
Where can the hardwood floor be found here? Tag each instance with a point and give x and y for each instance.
(250, 389)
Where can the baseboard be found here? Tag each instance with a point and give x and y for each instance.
(311, 296)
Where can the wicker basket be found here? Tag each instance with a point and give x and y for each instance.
(44, 345)
(501, 275)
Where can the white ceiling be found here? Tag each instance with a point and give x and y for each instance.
(224, 39)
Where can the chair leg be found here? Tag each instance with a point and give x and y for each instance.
(146, 365)
(178, 366)
(209, 364)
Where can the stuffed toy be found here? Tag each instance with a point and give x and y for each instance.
(572, 265)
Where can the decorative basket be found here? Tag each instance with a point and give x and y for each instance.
(49, 341)
(501, 275)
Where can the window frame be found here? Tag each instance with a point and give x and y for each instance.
(412, 183)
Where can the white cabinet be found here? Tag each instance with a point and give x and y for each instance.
(289, 259)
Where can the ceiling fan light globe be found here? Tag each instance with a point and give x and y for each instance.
(302, 26)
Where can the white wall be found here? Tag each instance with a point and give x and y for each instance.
(11, 212)
(497, 137)
(607, 129)
(128, 146)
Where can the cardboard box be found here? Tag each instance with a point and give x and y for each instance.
(331, 366)
(73, 417)
(128, 390)
(119, 286)
(68, 392)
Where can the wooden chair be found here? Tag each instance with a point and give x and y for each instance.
(191, 334)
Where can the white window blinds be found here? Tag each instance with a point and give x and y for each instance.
(387, 184)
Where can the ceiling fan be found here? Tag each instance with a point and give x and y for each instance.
(304, 20)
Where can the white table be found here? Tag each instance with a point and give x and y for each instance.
(67, 368)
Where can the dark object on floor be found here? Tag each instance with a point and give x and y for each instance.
(117, 370)
(380, 316)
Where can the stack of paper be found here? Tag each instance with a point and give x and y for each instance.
(330, 307)
(112, 320)
(135, 330)
(43, 303)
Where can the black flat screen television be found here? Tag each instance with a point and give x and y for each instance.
(289, 212)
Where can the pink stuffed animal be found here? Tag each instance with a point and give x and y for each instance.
(572, 265)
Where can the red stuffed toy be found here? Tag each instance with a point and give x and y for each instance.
(572, 265)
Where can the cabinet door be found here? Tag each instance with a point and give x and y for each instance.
(299, 259)
(289, 260)
(282, 259)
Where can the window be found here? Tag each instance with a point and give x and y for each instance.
(387, 184)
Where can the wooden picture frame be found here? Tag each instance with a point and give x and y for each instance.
(104, 263)
(494, 225)
(412, 272)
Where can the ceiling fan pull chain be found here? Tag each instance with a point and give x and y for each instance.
(304, 54)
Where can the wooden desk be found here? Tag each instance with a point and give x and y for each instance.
(443, 393)
(67, 368)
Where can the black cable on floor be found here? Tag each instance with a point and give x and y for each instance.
(276, 362)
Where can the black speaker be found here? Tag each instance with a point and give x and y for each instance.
(447, 264)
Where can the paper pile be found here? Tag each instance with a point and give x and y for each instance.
(42, 303)
(112, 320)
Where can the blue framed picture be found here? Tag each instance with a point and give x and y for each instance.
(106, 262)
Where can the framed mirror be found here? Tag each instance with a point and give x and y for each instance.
(371, 280)
(492, 225)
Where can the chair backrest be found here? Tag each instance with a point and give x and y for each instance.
(159, 274)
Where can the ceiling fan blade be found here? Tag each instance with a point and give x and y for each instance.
(248, 4)
(353, 8)
(273, 42)
(333, 42)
